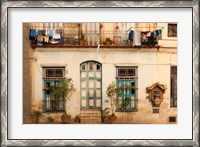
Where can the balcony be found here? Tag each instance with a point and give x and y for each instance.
(95, 39)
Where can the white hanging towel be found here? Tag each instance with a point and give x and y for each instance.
(56, 35)
(137, 38)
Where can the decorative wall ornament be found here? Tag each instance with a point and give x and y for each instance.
(156, 92)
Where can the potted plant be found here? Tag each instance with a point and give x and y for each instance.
(36, 114)
(108, 41)
(77, 119)
(127, 100)
(125, 103)
(65, 118)
(104, 114)
(81, 42)
(112, 92)
(50, 119)
(65, 89)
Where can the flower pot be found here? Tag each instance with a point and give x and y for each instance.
(85, 43)
(108, 43)
(81, 42)
(66, 119)
(112, 119)
(77, 120)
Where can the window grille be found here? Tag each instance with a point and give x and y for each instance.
(126, 71)
(51, 103)
(54, 72)
(127, 82)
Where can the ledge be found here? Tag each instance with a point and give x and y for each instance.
(34, 46)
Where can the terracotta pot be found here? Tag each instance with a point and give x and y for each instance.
(81, 42)
(112, 119)
(107, 43)
(85, 43)
(66, 119)
(77, 120)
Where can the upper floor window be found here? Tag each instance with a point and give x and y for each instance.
(172, 30)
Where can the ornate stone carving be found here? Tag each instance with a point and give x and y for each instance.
(156, 92)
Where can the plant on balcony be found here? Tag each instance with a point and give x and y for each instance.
(81, 39)
(112, 92)
(108, 41)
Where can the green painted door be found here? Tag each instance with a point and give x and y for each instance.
(91, 85)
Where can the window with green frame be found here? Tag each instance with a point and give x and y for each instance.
(91, 85)
(127, 82)
(52, 76)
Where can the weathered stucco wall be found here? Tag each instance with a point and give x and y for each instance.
(27, 75)
(153, 66)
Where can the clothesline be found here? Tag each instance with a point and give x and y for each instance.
(145, 27)
(61, 27)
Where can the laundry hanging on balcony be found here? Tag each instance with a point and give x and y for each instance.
(145, 37)
(32, 35)
(137, 38)
(42, 37)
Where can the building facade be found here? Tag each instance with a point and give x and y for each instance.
(129, 59)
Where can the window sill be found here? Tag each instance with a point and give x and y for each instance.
(57, 111)
(132, 110)
(91, 46)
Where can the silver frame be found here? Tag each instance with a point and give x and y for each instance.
(4, 79)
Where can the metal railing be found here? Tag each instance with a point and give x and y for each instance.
(97, 38)
(54, 105)
(132, 105)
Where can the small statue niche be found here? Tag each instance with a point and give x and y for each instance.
(156, 92)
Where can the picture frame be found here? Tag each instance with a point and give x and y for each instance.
(5, 87)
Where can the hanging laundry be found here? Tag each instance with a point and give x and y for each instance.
(39, 40)
(154, 36)
(32, 35)
(46, 39)
(51, 33)
(144, 38)
(149, 34)
(56, 35)
(159, 33)
(151, 39)
(41, 32)
(137, 38)
(131, 35)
